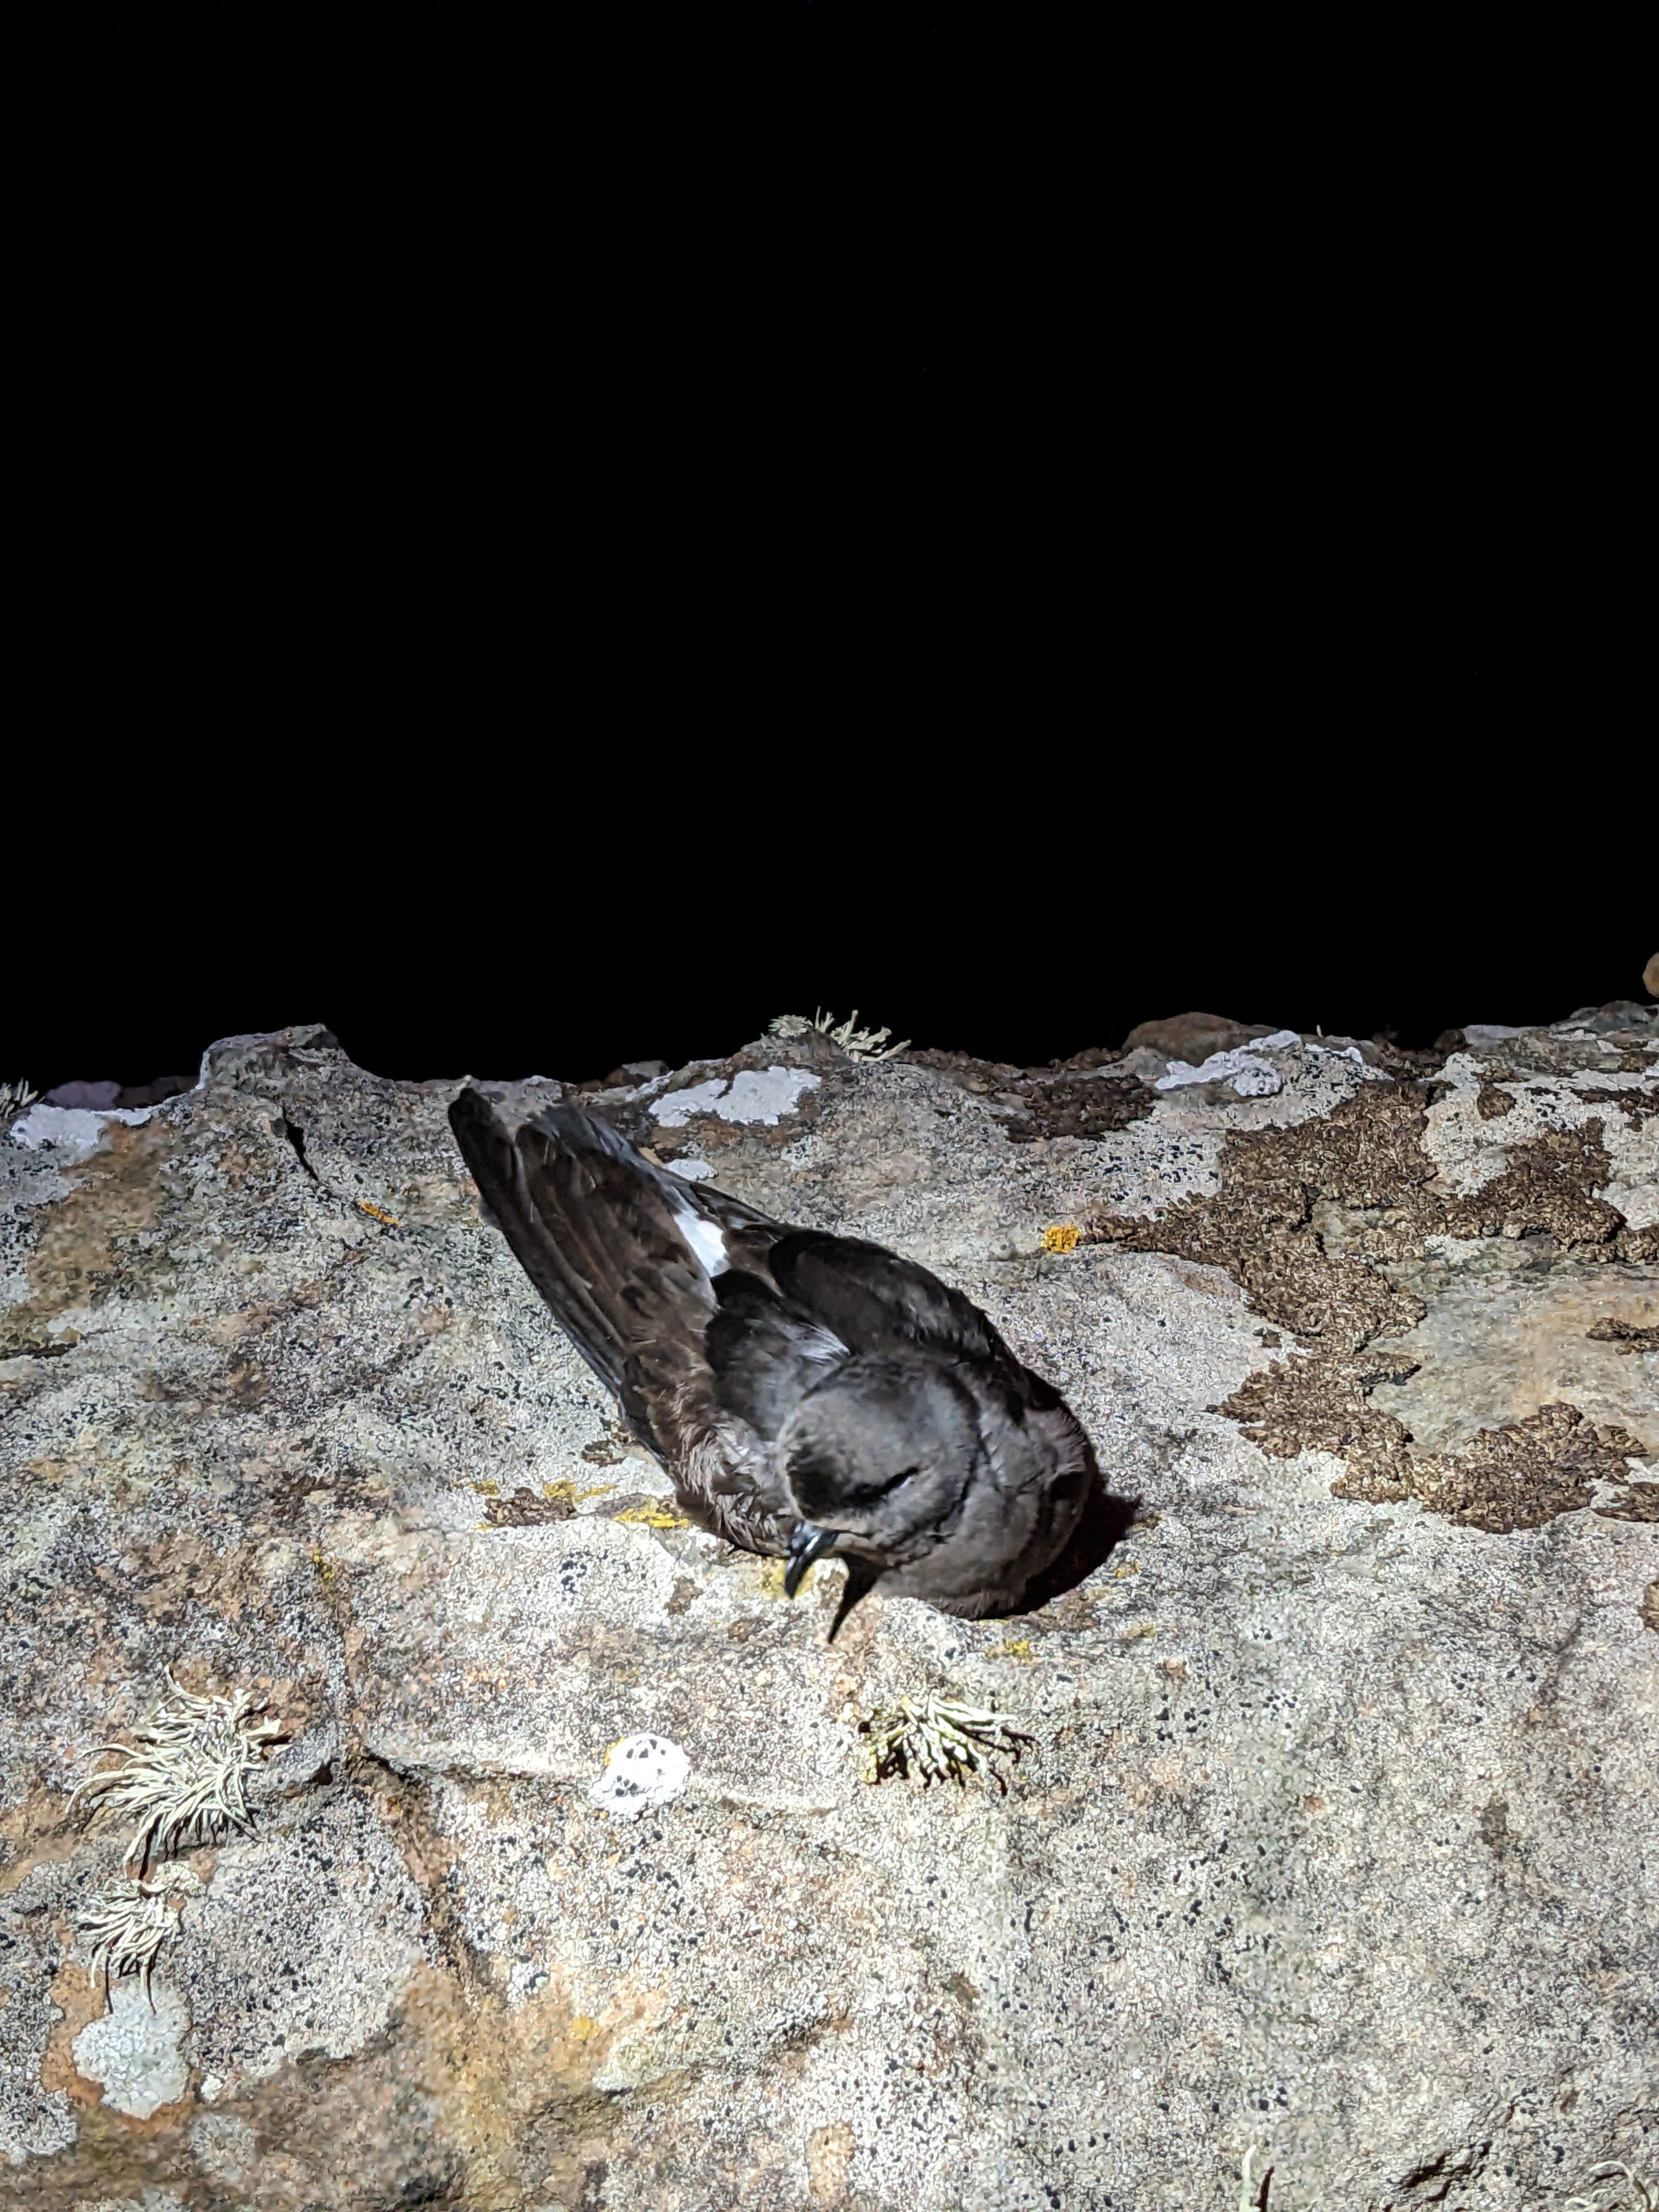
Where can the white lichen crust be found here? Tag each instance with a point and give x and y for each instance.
(943, 1740)
(641, 1772)
(185, 1778)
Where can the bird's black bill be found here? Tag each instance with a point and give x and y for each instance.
(807, 1544)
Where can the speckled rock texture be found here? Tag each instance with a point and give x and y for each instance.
(1339, 1833)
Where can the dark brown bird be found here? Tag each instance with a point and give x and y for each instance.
(810, 1395)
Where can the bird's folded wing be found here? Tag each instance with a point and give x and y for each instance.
(725, 1480)
(747, 1234)
(765, 1355)
(593, 1227)
(600, 1231)
(874, 1301)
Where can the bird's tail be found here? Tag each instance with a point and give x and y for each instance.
(618, 1248)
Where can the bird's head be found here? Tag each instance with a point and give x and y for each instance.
(878, 1460)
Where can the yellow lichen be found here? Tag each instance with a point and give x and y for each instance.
(486, 1489)
(1061, 1236)
(327, 1570)
(566, 1493)
(379, 1213)
(1017, 1647)
(654, 1517)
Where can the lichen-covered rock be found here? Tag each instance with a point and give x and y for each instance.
(1336, 1832)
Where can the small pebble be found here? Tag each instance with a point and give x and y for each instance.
(640, 1773)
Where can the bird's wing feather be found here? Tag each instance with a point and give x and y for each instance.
(596, 1229)
(623, 1261)
(499, 1169)
(746, 1234)
(727, 1481)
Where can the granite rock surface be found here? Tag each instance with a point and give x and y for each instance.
(1338, 1833)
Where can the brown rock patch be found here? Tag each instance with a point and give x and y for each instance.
(1368, 1157)
(1525, 1472)
(828, 2155)
(1079, 1106)
(1066, 1101)
(1192, 1037)
(1627, 1335)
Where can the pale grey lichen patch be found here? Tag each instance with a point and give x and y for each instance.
(1263, 1068)
(305, 1941)
(692, 1170)
(751, 1095)
(136, 2050)
(1362, 1068)
(1244, 1068)
(72, 1132)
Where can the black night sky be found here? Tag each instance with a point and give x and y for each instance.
(1043, 910)
(566, 571)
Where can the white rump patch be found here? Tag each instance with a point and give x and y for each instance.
(705, 1240)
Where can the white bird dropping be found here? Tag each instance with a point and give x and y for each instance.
(642, 1772)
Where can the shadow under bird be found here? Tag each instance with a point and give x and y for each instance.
(810, 1396)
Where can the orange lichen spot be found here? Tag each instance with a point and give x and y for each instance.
(379, 1213)
(1062, 1236)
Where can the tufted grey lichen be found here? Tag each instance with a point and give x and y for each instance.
(186, 1776)
(125, 1926)
(856, 1043)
